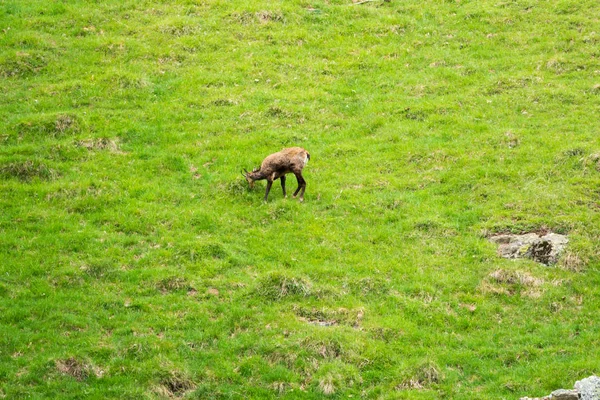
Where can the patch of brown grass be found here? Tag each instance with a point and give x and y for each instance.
(173, 284)
(277, 286)
(27, 170)
(327, 385)
(50, 125)
(66, 122)
(571, 261)
(506, 282)
(74, 368)
(421, 377)
(515, 277)
(327, 317)
(96, 144)
(174, 385)
(279, 387)
(328, 349)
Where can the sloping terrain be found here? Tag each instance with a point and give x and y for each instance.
(136, 263)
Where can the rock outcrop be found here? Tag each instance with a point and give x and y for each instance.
(544, 249)
(589, 388)
(585, 389)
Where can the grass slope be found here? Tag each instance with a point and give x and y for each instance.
(135, 263)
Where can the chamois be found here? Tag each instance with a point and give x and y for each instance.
(277, 165)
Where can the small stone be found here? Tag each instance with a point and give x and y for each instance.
(564, 394)
(501, 239)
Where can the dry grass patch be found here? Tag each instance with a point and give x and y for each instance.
(327, 385)
(509, 283)
(572, 262)
(385, 334)
(111, 145)
(277, 286)
(173, 284)
(515, 277)
(77, 369)
(421, 377)
(368, 286)
(279, 387)
(174, 385)
(327, 317)
(27, 170)
(284, 357)
(263, 17)
(328, 349)
(50, 125)
(22, 64)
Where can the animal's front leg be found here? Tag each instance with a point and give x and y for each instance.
(269, 183)
(283, 185)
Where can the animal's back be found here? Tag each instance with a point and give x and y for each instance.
(290, 158)
(297, 154)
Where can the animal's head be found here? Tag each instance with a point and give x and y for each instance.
(250, 176)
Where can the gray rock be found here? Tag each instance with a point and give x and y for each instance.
(544, 249)
(563, 394)
(585, 389)
(589, 388)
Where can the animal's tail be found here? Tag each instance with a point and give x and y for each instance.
(307, 155)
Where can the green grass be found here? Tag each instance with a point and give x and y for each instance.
(136, 263)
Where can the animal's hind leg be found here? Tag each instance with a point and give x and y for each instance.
(299, 179)
(301, 186)
(283, 185)
(303, 189)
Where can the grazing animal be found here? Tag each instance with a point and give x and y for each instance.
(277, 165)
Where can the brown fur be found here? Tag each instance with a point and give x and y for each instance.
(276, 166)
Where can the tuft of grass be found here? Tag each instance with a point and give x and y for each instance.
(174, 384)
(173, 284)
(571, 261)
(374, 286)
(98, 144)
(422, 376)
(510, 282)
(49, 126)
(73, 368)
(27, 170)
(22, 64)
(326, 317)
(277, 286)
(327, 385)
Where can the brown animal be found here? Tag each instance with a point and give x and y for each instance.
(277, 165)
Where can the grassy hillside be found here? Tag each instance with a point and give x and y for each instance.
(136, 263)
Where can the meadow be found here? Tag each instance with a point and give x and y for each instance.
(135, 262)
